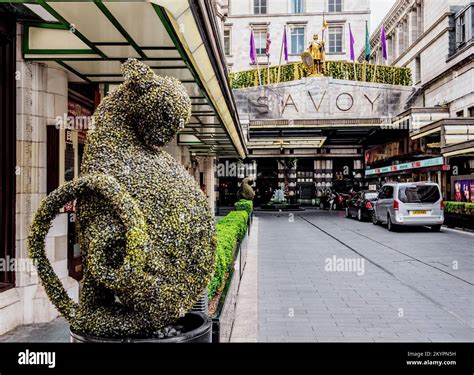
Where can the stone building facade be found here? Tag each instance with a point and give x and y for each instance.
(41, 95)
(302, 19)
(435, 40)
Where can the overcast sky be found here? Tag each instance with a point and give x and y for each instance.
(379, 8)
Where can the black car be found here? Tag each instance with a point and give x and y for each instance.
(361, 205)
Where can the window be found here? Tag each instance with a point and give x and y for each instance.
(386, 192)
(335, 6)
(297, 40)
(227, 40)
(260, 37)
(260, 7)
(460, 113)
(419, 194)
(296, 6)
(461, 29)
(470, 110)
(335, 39)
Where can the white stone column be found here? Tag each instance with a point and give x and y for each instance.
(210, 181)
(397, 47)
(41, 97)
(404, 30)
(419, 18)
(413, 26)
(389, 48)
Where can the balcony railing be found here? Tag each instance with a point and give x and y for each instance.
(392, 75)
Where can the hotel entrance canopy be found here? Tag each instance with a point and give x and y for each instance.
(176, 38)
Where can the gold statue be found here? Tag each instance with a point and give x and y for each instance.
(314, 57)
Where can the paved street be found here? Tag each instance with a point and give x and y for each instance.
(406, 288)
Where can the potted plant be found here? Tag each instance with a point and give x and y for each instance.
(145, 229)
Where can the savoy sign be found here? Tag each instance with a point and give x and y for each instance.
(313, 98)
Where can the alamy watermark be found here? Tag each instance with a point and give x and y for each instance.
(32, 358)
(10, 264)
(336, 264)
(233, 169)
(69, 122)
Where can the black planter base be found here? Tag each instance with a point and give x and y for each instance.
(452, 220)
(197, 328)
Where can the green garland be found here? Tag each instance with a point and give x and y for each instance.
(392, 75)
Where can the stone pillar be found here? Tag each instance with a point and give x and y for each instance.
(407, 31)
(209, 169)
(389, 49)
(419, 18)
(404, 45)
(396, 43)
(216, 186)
(413, 26)
(41, 97)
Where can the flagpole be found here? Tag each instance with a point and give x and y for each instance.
(281, 53)
(367, 50)
(323, 67)
(375, 71)
(353, 59)
(268, 68)
(268, 55)
(256, 61)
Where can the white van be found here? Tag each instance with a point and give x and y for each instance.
(409, 203)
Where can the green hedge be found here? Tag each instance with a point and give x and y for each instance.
(244, 205)
(463, 208)
(393, 75)
(230, 231)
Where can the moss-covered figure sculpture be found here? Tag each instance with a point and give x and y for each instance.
(146, 231)
(245, 191)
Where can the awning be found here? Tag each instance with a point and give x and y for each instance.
(91, 38)
(459, 149)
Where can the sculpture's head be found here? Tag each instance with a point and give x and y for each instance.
(315, 36)
(160, 106)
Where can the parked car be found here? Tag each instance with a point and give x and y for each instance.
(361, 205)
(409, 204)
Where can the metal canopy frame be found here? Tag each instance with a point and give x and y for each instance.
(205, 124)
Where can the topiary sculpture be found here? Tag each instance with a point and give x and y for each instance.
(146, 232)
(245, 191)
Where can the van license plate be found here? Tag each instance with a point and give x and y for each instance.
(418, 212)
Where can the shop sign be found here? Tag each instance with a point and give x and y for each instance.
(406, 166)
